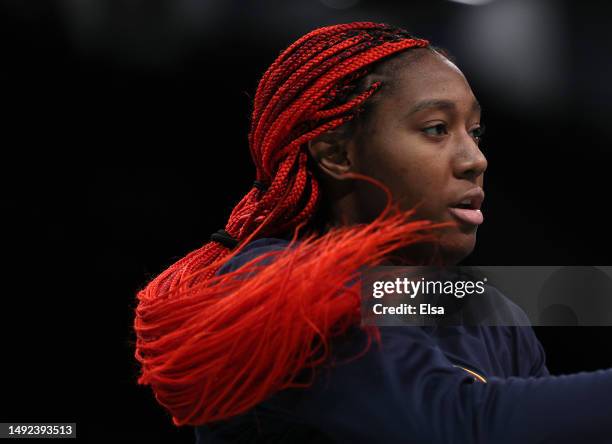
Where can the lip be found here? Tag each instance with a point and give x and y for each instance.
(472, 215)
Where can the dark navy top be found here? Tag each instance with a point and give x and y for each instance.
(432, 385)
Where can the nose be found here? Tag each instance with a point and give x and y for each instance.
(470, 162)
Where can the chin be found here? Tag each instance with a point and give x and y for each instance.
(456, 246)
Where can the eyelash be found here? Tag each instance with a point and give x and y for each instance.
(479, 132)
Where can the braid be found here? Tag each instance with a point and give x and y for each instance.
(290, 108)
(194, 330)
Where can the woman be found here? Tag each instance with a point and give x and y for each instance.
(366, 146)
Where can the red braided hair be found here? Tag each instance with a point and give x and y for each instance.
(214, 346)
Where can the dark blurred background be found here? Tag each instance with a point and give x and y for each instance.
(125, 145)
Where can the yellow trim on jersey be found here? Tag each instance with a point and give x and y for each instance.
(476, 376)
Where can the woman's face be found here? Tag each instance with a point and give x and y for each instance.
(421, 139)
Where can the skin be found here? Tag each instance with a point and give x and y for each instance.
(429, 156)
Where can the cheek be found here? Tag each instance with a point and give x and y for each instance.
(396, 155)
(421, 177)
(414, 171)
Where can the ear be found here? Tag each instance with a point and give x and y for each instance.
(329, 151)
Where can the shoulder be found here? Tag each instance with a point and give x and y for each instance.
(252, 250)
(500, 319)
(528, 351)
(502, 311)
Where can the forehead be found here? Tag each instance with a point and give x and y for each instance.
(420, 75)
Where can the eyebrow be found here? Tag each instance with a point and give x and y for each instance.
(440, 104)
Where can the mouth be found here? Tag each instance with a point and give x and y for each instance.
(467, 207)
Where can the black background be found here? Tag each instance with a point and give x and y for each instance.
(124, 146)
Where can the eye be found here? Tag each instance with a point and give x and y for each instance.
(436, 130)
(477, 133)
